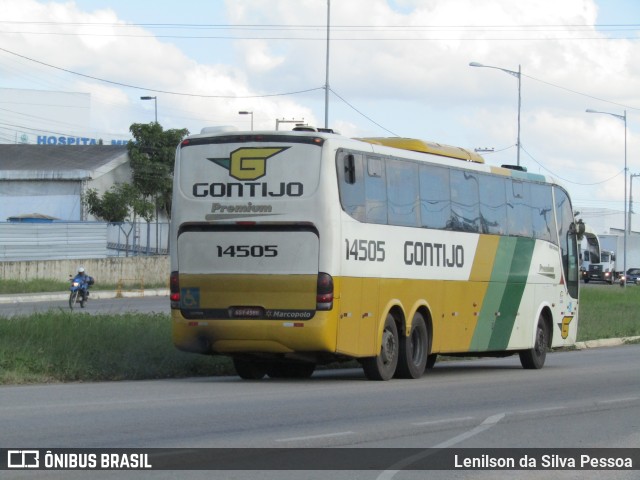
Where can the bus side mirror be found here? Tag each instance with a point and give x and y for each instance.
(577, 228)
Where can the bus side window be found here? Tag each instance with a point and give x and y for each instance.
(465, 201)
(518, 210)
(568, 243)
(544, 227)
(403, 193)
(351, 183)
(376, 191)
(493, 205)
(435, 198)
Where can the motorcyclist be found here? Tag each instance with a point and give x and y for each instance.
(86, 279)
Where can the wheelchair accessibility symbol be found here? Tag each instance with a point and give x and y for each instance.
(190, 298)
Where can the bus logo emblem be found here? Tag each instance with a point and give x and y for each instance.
(248, 163)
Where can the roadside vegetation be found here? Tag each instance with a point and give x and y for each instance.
(609, 312)
(68, 346)
(40, 285)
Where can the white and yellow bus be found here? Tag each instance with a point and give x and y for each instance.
(292, 249)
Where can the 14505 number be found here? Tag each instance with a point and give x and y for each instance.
(365, 250)
(241, 251)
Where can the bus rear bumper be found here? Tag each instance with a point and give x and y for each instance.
(252, 336)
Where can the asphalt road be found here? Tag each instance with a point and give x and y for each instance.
(581, 399)
(100, 302)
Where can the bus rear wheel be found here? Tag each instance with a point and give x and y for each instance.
(249, 369)
(414, 350)
(383, 366)
(534, 358)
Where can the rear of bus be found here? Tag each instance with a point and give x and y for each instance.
(246, 279)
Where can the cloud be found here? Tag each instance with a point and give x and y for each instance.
(403, 64)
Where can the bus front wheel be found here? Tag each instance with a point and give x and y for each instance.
(431, 361)
(383, 366)
(414, 350)
(534, 358)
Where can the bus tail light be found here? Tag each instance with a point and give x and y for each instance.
(174, 290)
(324, 297)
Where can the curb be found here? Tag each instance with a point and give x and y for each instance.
(605, 342)
(100, 294)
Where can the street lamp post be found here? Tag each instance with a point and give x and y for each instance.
(631, 177)
(155, 105)
(244, 112)
(518, 75)
(622, 117)
(155, 102)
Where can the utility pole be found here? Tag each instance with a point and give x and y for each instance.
(326, 83)
(631, 177)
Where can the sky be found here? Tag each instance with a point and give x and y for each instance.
(395, 68)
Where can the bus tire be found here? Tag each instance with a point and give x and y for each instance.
(534, 358)
(383, 366)
(431, 361)
(249, 369)
(414, 350)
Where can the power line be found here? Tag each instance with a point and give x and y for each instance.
(190, 94)
(580, 93)
(365, 116)
(566, 179)
(323, 26)
(334, 38)
(185, 94)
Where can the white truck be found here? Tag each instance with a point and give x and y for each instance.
(603, 270)
(598, 263)
(615, 243)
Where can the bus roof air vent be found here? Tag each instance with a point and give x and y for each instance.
(220, 129)
(309, 128)
(519, 168)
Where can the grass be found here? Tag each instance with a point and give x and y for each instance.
(40, 285)
(32, 286)
(64, 346)
(609, 312)
(69, 346)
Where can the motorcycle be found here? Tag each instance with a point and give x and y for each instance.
(79, 290)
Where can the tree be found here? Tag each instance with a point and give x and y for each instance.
(152, 154)
(121, 203)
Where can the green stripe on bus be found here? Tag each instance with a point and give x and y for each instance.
(506, 287)
(493, 297)
(512, 296)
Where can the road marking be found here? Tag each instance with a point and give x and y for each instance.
(618, 400)
(488, 423)
(540, 410)
(439, 422)
(396, 467)
(314, 437)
